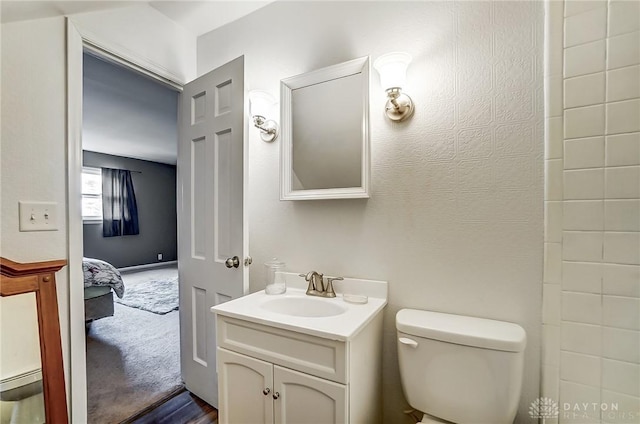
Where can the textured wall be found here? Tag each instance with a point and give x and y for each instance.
(455, 219)
(155, 189)
(592, 273)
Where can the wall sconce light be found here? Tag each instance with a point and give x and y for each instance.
(392, 68)
(260, 104)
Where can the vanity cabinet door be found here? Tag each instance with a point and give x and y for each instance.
(245, 388)
(304, 399)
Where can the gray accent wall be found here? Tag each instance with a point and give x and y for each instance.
(155, 189)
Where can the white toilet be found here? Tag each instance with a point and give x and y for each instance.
(460, 369)
(25, 391)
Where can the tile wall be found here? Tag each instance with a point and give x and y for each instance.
(591, 295)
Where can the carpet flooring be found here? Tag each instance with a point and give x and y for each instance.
(133, 360)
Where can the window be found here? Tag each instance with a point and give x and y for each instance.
(92, 194)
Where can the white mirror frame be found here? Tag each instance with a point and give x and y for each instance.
(341, 70)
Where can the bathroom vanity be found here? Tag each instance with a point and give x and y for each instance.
(295, 358)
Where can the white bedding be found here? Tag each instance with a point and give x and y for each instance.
(102, 274)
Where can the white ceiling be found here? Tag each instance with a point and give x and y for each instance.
(21, 10)
(198, 17)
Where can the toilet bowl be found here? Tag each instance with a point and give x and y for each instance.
(459, 369)
(26, 391)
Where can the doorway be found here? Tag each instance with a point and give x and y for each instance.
(130, 270)
(211, 182)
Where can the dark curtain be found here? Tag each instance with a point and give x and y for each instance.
(119, 207)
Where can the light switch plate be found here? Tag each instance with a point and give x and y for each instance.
(38, 216)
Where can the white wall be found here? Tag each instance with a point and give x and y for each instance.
(592, 274)
(455, 220)
(33, 136)
(33, 155)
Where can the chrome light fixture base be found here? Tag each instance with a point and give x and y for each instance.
(269, 130)
(399, 107)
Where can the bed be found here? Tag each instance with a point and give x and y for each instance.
(101, 280)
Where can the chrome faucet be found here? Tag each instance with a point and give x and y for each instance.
(316, 284)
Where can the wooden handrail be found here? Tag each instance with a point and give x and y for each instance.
(39, 278)
(10, 268)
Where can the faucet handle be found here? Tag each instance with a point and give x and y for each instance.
(330, 280)
(309, 277)
(319, 282)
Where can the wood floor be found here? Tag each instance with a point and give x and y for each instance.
(181, 407)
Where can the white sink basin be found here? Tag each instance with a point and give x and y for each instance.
(304, 307)
(330, 318)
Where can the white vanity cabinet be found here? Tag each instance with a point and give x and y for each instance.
(255, 391)
(274, 375)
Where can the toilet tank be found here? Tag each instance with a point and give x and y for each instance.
(460, 369)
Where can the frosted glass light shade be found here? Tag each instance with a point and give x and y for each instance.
(260, 103)
(392, 68)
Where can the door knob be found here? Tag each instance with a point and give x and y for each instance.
(266, 391)
(276, 395)
(232, 262)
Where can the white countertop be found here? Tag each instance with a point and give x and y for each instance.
(338, 327)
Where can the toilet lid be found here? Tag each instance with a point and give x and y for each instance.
(20, 380)
(462, 330)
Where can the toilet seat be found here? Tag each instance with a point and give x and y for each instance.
(21, 386)
(433, 420)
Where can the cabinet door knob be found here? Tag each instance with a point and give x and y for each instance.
(266, 391)
(276, 395)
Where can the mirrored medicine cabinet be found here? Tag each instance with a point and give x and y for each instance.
(325, 133)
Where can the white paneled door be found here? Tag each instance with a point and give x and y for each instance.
(211, 231)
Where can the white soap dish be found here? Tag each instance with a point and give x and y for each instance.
(355, 298)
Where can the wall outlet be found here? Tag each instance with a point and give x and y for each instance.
(159, 256)
(38, 216)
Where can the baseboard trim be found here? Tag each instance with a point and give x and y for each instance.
(147, 266)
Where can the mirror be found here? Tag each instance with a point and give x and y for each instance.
(32, 387)
(325, 133)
